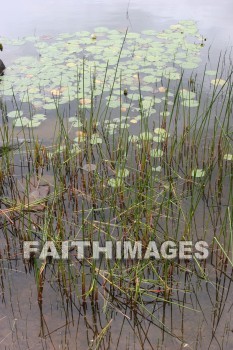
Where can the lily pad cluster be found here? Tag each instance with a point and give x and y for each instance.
(81, 67)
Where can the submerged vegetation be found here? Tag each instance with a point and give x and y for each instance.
(113, 136)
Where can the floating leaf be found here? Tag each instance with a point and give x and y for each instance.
(39, 117)
(71, 64)
(228, 156)
(75, 150)
(55, 92)
(49, 106)
(34, 123)
(15, 114)
(156, 153)
(133, 138)
(187, 95)
(85, 101)
(115, 182)
(190, 103)
(159, 138)
(146, 136)
(114, 104)
(158, 169)
(160, 131)
(151, 79)
(189, 65)
(141, 53)
(95, 139)
(122, 173)
(165, 114)
(21, 121)
(198, 173)
(33, 90)
(133, 121)
(218, 82)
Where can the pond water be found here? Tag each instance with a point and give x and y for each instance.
(159, 98)
(214, 18)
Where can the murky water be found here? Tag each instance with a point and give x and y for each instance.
(200, 314)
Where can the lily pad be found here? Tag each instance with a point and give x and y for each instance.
(187, 95)
(95, 139)
(218, 82)
(158, 169)
(34, 123)
(39, 117)
(210, 72)
(115, 182)
(161, 132)
(133, 138)
(122, 173)
(190, 103)
(146, 136)
(198, 173)
(85, 101)
(228, 156)
(15, 114)
(156, 153)
(21, 122)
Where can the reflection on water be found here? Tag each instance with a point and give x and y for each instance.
(61, 321)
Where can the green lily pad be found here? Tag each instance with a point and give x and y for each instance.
(95, 139)
(21, 122)
(33, 123)
(39, 116)
(158, 169)
(15, 114)
(115, 182)
(122, 173)
(146, 136)
(161, 132)
(165, 113)
(189, 65)
(218, 82)
(190, 103)
(198, 173)
(133, 138)
(228, 156)
(156, 153)
(85, 55)
(187, 95)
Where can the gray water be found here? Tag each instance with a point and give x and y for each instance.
(21, 18)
